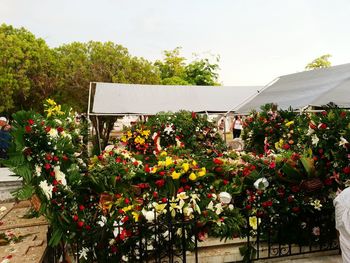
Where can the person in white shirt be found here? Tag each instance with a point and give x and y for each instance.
(342, 222)
(237, 126)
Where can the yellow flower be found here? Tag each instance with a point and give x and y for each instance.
(194, 163)
(139, 140)
(129, 133)
(163, 153)
(289, 123)
(185, 167)
(159, 207)
(202, 172)
(253, 222)
(123, 139)
(146, 133)
(51, 102)
(192, 177)
(136, 216)
(168, 161)
(161, 163)
(127, 208)
(49, 112)
(175, 175)
(154, 170)
(279, 144)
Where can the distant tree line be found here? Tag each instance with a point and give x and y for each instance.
(31, 71)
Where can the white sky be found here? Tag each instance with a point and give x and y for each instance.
(257, 40)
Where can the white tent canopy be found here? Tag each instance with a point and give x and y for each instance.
(309, 88)
(121, 99)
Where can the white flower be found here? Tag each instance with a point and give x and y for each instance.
(109, 148)
(225, 198)
(219, 209)
(59, 122)
(83, 253)
(149, 215)
(66, 135)
(3, 209)
(182, 196)
(53, 133)
(169, 129)
(310, 131)
(261, 183)
(60, 176)
(316, 204)
(315, 139)
(47, 189)
(230, 206)
(343, 142)
(118, 229)
(188, 211)
(102, 222)
(210, 206)
(37, 170)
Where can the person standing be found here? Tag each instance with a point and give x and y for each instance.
(5, 138)
(237, 126)
(342, 222)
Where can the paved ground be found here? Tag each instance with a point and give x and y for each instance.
(323, 259)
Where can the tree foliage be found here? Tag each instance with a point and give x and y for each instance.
(27, 73)
(174, 70)
(320, 62)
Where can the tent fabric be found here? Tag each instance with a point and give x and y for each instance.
(113, 98)
(309, 88)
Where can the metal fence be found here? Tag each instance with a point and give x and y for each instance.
(170, 240)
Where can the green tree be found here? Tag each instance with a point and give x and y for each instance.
(82, 63)
(27, 70)
(174, 70)
(320, 62)
(202, 72)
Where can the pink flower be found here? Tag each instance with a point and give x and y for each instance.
(316, 231)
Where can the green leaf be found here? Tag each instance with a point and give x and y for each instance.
(24, 193)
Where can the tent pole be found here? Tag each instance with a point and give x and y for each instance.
(89, 121)
(225, 139)
(98, 134)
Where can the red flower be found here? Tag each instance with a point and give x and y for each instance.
(48, 157)
(164, 200)
(295, 189)
(31, 122)
(290, 198)
(47, 166)
(127, 201)
(160, 183)
(217, 161)
(65, 158)
(118, 196)
(162, 173)
(343, 114)
(187, 187)
(28, 129)
(118, 160)
(248, 207)
(155, 194)
(59, 129)
(312, 126)
(324, 113)
(286, 146)
(272, 165)
(52, 173)
(181, 189)
(125, 219)
(121, 211)
(266, 204)
(323, 126)
(81, 207)
(328, 181)
(88, 228)
(346, 170)
(80, 224)
(209, 195)
(100, 157)
(56, 159)
(75, 218)
(147, 169)
(193, 115)
(296, 209)
(225, 182)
